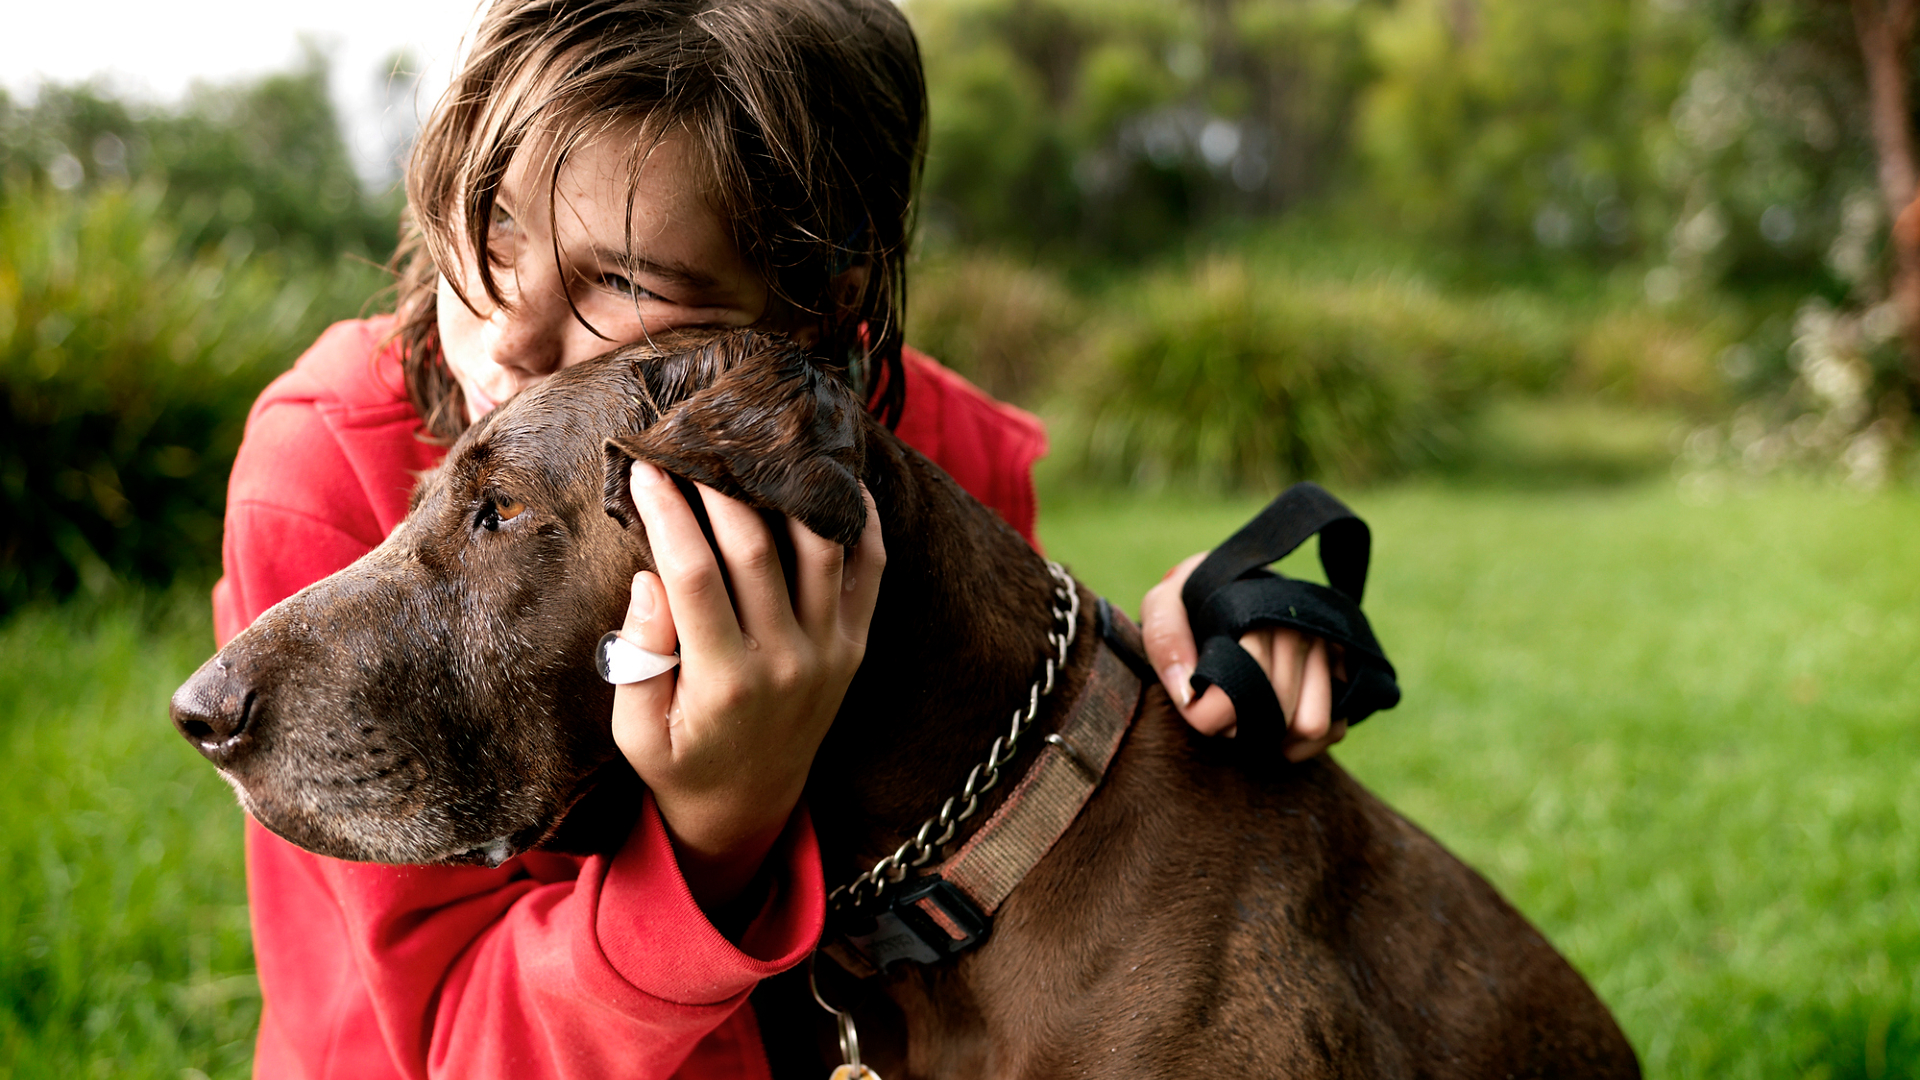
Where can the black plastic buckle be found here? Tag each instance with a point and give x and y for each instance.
(925, 923)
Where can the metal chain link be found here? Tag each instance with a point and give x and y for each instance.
(925, 844)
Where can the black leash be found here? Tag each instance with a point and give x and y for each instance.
(1231, 593)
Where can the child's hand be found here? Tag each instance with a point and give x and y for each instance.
(725, 741)
(1299, 666)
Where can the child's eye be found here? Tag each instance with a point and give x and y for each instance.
(626, 286)
(502, 232)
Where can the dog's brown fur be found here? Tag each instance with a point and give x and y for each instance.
(1204, 916)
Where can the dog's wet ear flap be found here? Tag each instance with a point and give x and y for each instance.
(617, 497)
(776, 433)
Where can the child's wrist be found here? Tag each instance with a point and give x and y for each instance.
(720, 851)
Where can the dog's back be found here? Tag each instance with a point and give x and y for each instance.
(1207, 918)
(1278, 920)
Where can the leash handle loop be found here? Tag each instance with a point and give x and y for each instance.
(1306, 508)
(1231, 593)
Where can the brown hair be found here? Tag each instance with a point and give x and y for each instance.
(808, 116)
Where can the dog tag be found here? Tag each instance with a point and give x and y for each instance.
(621, 661)
(853, 1072)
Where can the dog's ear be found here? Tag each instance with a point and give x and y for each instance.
(773, 431)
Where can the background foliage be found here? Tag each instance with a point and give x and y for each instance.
(147, 295)
(1685, 187)
(1602, 287)
(1230, 242)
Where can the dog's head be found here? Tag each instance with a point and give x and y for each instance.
(436, 701)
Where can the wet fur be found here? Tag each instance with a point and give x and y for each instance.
(1205, 916)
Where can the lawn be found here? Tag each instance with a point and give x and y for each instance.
(123, 926)
(1681, 738)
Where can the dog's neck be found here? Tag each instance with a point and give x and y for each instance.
(960, 632)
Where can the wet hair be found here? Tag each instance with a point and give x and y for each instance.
(807, 117)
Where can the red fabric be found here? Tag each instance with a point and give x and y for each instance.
(551, 965)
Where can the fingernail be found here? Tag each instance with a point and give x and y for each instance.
(640, 606)
(1178, 679)
(645, 472)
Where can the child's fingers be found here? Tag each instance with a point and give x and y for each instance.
(1314, 728)
(819, 565)
(1211, 713)
(649, 621)
(1282, 655)
(1170, 648)
(695, 590)
(860, 578)
(1303, 749)
(1313, 710)
(760, 598)
(641, 725)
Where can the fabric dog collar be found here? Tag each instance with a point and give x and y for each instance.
(950, 910)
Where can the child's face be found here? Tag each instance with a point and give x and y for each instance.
(680, 269)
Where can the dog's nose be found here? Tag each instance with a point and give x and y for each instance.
(215, 711)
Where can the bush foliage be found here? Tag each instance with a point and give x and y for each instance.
(1294, 378)
(1004, 323)
(157, 268)
(127, 365)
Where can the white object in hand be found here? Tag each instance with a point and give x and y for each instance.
(621, 661)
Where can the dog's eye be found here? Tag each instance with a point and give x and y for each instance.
(498, 513)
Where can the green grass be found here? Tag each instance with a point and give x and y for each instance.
(1681, 738)
(123, 920)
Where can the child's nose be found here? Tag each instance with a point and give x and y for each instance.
(528, 335)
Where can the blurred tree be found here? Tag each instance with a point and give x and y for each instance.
(1118, 126)
(157, 268)
(1507, 124)
(1766, 147)
(1885, 30)
(256, 164)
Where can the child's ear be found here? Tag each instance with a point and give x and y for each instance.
(849, 287)
(772, 431)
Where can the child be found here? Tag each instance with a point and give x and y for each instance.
(601, 170)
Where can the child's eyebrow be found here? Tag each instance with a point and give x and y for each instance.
(633, 262)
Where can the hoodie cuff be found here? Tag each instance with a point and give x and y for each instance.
(658, 939)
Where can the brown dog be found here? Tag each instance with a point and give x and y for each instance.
(1202, 916)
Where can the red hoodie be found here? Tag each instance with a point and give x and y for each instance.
(550, 965)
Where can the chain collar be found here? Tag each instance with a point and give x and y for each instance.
(924, 844)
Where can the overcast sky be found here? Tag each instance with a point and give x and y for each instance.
(155, 49)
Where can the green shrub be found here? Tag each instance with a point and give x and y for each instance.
(1255, 380)
(1004, 323)
(1645, 356)
(126, 371)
